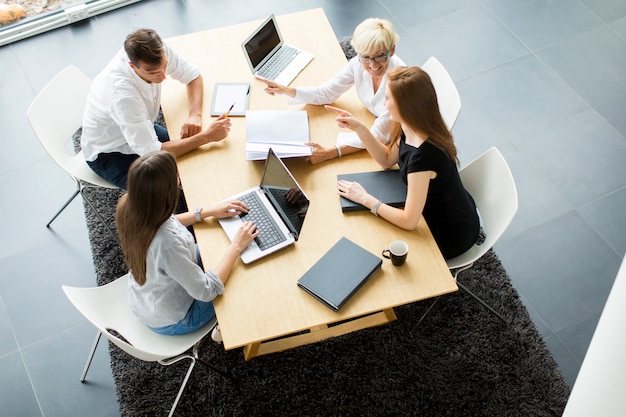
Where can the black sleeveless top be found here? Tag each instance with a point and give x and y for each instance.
(450, 211)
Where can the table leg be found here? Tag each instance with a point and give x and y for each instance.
(318, 333)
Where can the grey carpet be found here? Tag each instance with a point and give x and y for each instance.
(460, 361)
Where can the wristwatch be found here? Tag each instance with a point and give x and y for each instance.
(197, 212)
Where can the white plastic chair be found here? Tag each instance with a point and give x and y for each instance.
(55, 114)
(447, 94)
(106, 307)
(490, 182)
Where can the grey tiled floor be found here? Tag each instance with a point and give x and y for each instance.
(542, 81)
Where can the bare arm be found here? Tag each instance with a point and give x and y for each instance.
(407, 218)
(195, 95)
(221, 210)
(216, 131)
(385, 156)
(244, 236)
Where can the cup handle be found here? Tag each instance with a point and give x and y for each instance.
(386, 254)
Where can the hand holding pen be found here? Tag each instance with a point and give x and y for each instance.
(227, 112)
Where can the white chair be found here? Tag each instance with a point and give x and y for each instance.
(447, 94)
(106, 307)
(490, 182)
(55, 114)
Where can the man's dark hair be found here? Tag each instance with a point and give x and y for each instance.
(144, 46)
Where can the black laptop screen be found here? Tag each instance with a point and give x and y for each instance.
(284, 193)
(261, 44)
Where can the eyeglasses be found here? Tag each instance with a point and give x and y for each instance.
(380, 59)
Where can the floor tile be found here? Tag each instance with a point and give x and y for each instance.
(578, 336)
(606, 216)
(568, 365)
(469, 41)
(592, 63)
(538, 23)
(55, 366)
(16, 393)
(609, 10)
(563, 267)
(520, 98)
(581, 155)
(8, 344)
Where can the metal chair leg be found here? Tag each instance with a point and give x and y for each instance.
(427, 311)
(194, 357)
(67, 203)
(477, 298)
(113, 234)
(90, 357)
(488, 307)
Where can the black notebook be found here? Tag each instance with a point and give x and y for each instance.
(387, 186)
(337, 275)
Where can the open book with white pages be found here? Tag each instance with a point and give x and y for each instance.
(285, 131)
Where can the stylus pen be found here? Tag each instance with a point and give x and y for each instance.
(228, 111)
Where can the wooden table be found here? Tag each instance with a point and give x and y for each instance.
(262, 308)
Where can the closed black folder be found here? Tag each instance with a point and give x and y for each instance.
(337, 275)
(387, 186)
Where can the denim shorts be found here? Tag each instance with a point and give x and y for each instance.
(199, 314)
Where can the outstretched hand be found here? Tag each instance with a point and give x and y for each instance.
(345, 118)
(273, 88)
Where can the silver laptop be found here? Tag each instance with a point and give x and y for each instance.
(277, 208)
(270, 57)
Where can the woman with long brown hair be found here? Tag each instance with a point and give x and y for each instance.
(170, 292)
(424, 149)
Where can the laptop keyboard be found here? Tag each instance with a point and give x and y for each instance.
(269, 233)
(278, 62)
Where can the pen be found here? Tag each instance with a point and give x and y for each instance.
(230, 108)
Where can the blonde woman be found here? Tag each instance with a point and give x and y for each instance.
(374, 41)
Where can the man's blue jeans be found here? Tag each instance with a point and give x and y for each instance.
(113, 167)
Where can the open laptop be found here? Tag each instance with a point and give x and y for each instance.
(270, 57)
(277, 208)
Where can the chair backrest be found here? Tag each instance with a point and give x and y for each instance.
(447, 94)
(490, 182)
(56, 113)
(106, 307)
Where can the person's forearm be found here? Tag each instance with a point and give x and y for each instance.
(179, 147)
(195, 95)
(225, 266)
(377, 150)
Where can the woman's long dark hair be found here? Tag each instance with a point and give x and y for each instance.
(150, 199)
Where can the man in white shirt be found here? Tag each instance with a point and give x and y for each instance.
(124, 102)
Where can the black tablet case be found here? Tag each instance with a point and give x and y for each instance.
(337, 275)
(387, 186)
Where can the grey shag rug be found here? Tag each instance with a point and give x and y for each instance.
(459, 361)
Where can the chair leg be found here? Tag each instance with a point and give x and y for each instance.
(488, 307)
(427, 311)
(194, 357)
(90, 357)
(67, 203)
(182, 387)
(464, 288)
(99, 216)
